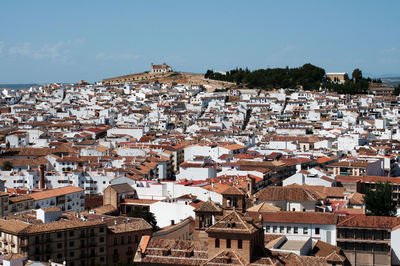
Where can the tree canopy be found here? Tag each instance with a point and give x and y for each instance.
(397, 90)
(7, 166)
(379, 202)
(146, 215)
(357, 74)
(308, 76)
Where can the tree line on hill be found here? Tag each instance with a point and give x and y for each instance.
(308, 77)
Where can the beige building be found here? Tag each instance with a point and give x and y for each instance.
(14, 204)
(88, 239)
(337, 77)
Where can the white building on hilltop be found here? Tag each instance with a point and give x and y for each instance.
(164, 68)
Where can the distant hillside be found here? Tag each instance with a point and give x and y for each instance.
(394, 81)
(17, 86)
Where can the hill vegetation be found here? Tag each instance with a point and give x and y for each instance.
(308, 77)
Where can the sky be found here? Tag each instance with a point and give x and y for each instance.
(67, 41)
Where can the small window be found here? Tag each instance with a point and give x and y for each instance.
(217, 242)
(240, 244)
(289, 229)
(317, 230)
(275, 229)
(228, 243)
(71, 233)
(296, 230)
(281, 229)
(267, 229)
(71, 244)
(305, 230)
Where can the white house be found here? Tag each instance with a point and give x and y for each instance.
(317, 225)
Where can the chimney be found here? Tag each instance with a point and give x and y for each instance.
(41, 181)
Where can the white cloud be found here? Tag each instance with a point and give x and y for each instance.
(58, 50)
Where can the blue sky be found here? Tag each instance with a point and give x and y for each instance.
(66, 41)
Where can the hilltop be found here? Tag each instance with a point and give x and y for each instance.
(170, 77)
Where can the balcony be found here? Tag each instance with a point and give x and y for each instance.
(362, 240)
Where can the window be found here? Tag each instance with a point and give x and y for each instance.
(71, 254)
(115, 241)
(102, 249)
(281, 229)
(317, 230)
(101, 239)
(240, 244)
(267, 229)
(129, 239)
(122, 240)
(71, 233)
(289, 229)
(228, 243)
(101, 229)
(275, 229)
(136, 239)
(71, 244)
(296, 230)
(305, 230)
(217, 242)
(59, 245)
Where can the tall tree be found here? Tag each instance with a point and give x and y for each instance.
(379, 202)
(146, 215)
(356, 75)
(397, 90)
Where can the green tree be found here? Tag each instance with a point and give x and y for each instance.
(356, 75)
(146, 215)
(397, 90)
(7, 166)
(379, 202)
